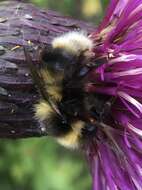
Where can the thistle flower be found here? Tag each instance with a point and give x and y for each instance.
(115, 155)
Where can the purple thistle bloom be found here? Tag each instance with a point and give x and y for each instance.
(115, 155)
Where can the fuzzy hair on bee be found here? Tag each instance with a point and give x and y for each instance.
(68, 113)
(73, 42)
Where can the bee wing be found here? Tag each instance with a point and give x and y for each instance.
(39, 81)
(36, 75)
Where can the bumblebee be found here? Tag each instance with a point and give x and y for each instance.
(69, 114)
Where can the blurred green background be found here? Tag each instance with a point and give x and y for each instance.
(90, 10)
(42, 164)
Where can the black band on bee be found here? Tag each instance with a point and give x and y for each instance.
(57, 54)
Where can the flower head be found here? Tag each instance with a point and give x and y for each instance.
(115, 155)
